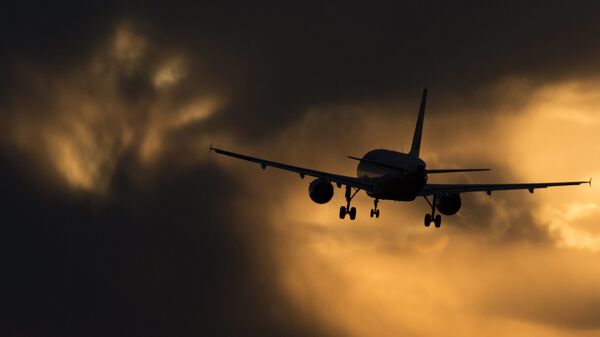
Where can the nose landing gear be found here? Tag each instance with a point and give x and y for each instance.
(351, 211)
(436, 219)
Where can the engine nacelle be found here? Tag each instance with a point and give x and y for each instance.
(448, 204)
(320, 191)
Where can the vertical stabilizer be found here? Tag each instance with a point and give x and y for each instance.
(416, 143)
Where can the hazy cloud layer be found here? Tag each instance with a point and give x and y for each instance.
(116, 220)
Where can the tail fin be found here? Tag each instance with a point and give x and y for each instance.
(416, 143)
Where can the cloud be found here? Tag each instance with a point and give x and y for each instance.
(158, 256)
(112, 227)
(462, 285)
(277, 62)
(117, 222)
(500, 265)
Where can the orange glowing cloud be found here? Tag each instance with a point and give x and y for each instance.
(89, 123)
(391, 276)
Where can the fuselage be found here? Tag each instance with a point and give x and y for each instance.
(394, 175)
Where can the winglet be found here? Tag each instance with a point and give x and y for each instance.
(416, 143)
(590, 182)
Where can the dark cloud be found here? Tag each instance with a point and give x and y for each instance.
(275, 61)
(165, 258)
(55, 36)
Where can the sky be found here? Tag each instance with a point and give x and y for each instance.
(117, 221)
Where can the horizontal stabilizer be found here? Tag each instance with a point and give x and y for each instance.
(456, 170)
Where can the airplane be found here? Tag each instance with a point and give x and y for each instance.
(391, 175)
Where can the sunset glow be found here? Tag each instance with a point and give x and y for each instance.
(119, 221)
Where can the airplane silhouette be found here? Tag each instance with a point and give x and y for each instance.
(390, 175)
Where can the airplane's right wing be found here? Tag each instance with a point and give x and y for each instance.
(436, 189)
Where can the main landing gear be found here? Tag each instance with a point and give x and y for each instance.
(375, 211)
(437, 219)
(347, 210)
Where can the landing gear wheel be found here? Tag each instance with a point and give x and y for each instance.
(432, 217)
(352, 213)
(342, 212)
(347, 209)
(437, 221)
(374, 210)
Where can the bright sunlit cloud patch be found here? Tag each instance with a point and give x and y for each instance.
(169, 73)
(555, 139)
(577, 211)
(128, 47)
(164, 121)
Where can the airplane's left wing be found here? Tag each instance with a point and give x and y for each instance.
(436, 189)
(334, 178)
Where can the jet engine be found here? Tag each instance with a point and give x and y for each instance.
(320, 191)
(448, 204)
